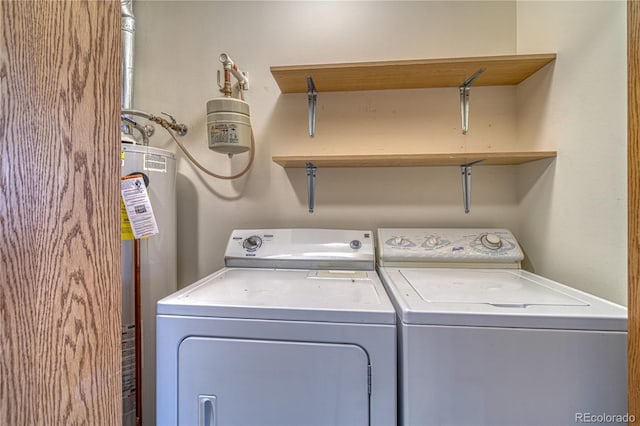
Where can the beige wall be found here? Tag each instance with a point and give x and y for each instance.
(572, 216)
(178, 44)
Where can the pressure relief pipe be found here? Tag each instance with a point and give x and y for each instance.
(230, 66)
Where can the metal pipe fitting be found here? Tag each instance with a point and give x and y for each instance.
(180, 128)
(145, 131)
(230, 66)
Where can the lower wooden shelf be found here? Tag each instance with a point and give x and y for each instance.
(413, 160)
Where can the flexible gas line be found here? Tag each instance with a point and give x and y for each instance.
(209, 172)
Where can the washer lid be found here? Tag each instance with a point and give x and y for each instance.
(496, 298)
(297, 295)
(500, 288)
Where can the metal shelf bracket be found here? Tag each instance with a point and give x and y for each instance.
(465, 169)
(312, 95)
(311, 185)
(464, 99)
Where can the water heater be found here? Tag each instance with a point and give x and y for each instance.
(158, 273)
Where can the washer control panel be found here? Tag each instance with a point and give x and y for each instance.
(448, 246)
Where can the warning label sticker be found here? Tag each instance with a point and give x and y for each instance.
(128, 369)
(138, 206)
(155, 163)
(223, 133)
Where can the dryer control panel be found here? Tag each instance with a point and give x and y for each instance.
(448, 247)
(301, 248)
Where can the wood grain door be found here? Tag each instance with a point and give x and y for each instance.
(633, 57)
(633, 45)
(59, 230)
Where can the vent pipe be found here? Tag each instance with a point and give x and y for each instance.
(128, 35)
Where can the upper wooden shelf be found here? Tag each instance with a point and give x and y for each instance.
(409, 160)
(412, 74)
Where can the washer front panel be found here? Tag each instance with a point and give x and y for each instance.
(509, 376)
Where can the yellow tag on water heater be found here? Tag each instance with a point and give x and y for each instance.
(126, 233)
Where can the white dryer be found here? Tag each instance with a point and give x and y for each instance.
(482, 342)
(297, 329)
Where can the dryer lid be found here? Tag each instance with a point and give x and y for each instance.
(296, 295)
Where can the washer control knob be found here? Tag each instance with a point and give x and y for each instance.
(491, 241)
(355, 244)
(252, 243)
(432, 241)
(400, 242)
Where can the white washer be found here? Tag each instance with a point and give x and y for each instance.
(297, 329)
(482, 342)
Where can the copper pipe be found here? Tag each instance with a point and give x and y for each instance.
(138, 322)
(227, 83)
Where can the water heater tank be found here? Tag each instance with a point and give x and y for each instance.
(228, 125)
(158, 272)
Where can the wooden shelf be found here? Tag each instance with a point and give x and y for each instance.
(412, 74)
(411, 160)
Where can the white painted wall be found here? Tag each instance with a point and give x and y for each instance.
(572, 215)
(178, 44)
(569, 214)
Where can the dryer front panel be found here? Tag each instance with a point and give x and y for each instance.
(225, 381)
